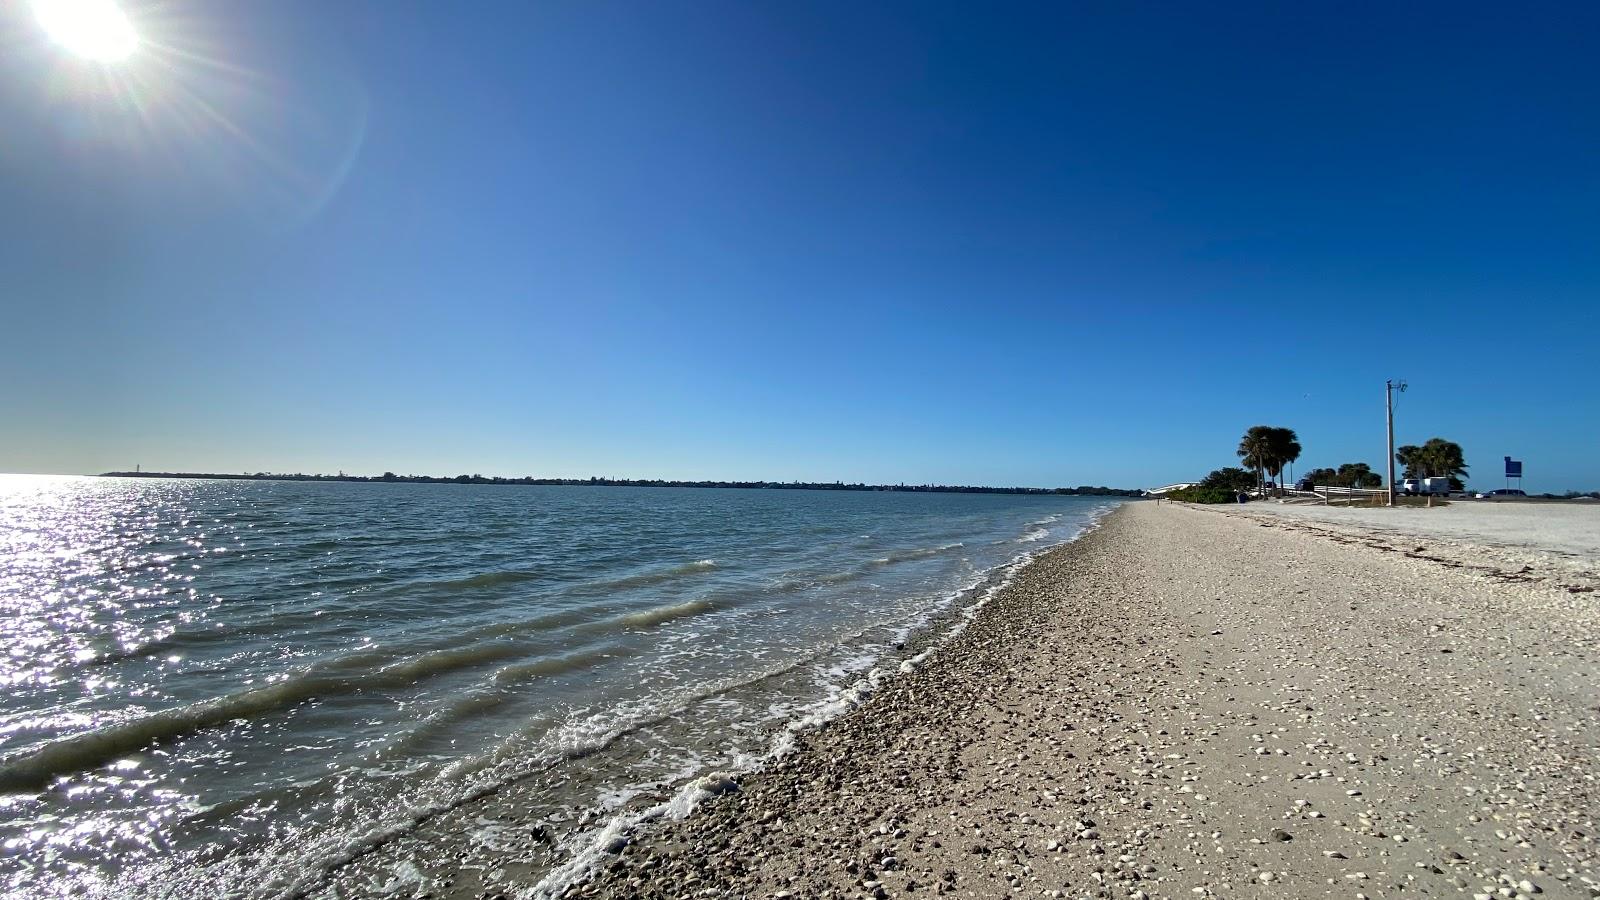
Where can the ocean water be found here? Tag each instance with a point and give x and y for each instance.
(218, 688)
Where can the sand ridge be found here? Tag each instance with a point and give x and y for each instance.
(1187, 704)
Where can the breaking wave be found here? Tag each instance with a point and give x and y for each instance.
(660, 614)
(476, 582)
(35, 769)
(919, 553)
(658, 576)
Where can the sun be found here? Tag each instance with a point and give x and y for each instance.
(93, 29)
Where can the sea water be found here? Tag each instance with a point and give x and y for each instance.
(250, 688)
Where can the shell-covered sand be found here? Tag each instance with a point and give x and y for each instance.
(1191, 702)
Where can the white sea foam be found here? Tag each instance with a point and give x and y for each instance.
(407, 878)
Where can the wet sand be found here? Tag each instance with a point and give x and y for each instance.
(1190, 702)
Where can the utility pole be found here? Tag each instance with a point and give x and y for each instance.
(1389, 390)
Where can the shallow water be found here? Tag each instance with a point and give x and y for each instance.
(240, 687)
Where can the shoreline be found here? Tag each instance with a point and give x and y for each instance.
(925, 642)
(998, 618)
(1147, 711)
(543, 862)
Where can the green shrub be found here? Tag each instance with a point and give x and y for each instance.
(1230, 479)
(1202, 494)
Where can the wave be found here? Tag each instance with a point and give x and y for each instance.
(585, 851)
(645, 579)
(34, 769)
(660, 614)
(211, 635)
(487, 774)
(803, 582)
(276, 623)
(324, 544)
(446, 718)
(288, 619)
(438, 662)
(402, 817)
(483, 776)
(919, 553)
(555, 666)
(477, 582)
(1038, 530)
(443, 720)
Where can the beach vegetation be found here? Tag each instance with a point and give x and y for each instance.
(1229, 478)
(1320, 476)
(1201, 493)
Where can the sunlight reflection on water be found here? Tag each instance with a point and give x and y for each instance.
(214, 685)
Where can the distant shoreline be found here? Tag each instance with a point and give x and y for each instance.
(391, 478)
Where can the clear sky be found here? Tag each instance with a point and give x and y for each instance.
(981, 243)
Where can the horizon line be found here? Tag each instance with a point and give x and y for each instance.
(607, 481)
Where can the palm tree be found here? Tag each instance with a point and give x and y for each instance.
(1267, 449)
(1283, 448)
(1438, 458)
(1255, 451)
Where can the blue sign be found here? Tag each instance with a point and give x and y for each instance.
(1513, 468)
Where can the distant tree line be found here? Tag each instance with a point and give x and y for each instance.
(1356, 475)
(1265, 451)
(1081, 490)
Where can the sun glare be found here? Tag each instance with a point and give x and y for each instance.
(92, 29)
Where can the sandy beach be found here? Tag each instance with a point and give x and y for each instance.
(1556, 541)
(1194, 702)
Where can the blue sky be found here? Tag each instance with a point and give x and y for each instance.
(1008, 244)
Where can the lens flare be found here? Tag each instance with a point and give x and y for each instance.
(93, 29)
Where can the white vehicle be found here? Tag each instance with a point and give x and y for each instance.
(1412, 487)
